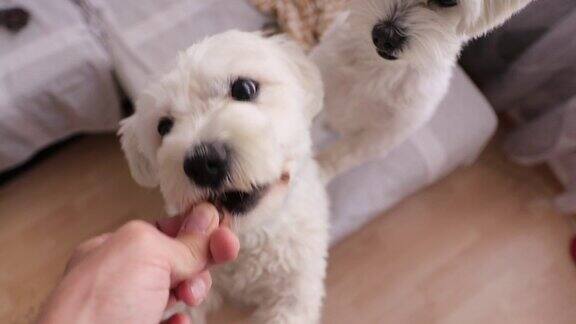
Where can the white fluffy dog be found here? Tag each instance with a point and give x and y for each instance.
(230, 125)
(387, 67)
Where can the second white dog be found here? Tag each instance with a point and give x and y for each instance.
(230, 124)
(389, 65)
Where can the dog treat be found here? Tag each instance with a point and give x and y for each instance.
(221, 214)
(285, 178)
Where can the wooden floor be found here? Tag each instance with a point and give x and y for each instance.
(481, 246)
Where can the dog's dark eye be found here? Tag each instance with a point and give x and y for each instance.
(165, 125)
(446, 3)
(244, 89)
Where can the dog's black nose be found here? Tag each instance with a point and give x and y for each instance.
(389, 39)
(208, 164)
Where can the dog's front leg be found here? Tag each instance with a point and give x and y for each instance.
(343, 155)
(355, 149)
(349, 152)
(296, 301)
(294, 309)
(199, 314)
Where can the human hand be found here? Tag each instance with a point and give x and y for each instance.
(128, 276)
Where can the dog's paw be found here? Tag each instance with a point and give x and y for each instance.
(326, 176)
(326, 169)
(197, 317)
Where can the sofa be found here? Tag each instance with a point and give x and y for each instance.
(66, 70)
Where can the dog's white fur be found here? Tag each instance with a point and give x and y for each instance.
(282, 260)
(375, 104)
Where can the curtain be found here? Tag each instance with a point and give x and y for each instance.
(527, 69)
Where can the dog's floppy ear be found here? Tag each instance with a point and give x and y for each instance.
(307, 72)
(481, 16)
(141, 168)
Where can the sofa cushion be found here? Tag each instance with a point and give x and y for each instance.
(55, 80)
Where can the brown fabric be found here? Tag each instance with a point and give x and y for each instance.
(304, 20)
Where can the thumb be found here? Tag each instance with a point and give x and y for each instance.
(194, 241)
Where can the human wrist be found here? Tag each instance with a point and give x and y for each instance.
(73, 301)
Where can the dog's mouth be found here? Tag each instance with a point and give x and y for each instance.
(236, 202)
(387, 55)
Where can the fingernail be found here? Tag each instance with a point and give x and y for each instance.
(198, 290)
(199, 221)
